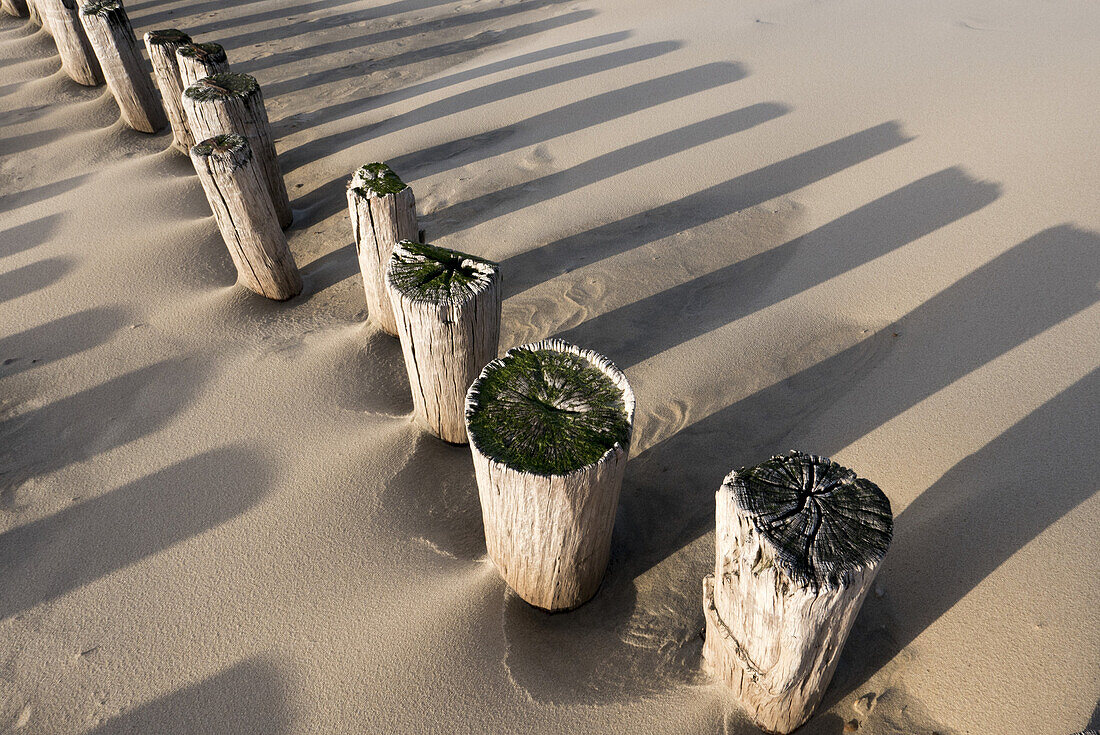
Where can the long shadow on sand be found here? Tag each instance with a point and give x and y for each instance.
(46, 559)
(28, 235)
(59, 339)
(248, 699)
(27, 279)
(649, 612)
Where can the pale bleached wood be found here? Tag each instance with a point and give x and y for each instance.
(18, 8)
(548, 529)
(112, 38)
(383, 213)
(162, 46)
(78, 60)
(35, 14)
(242, 207)
(233, 103)
(447, 306)
(799, 540)
(200, 60)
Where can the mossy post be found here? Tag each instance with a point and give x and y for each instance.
(78, 60)
(550, 427)
(383, 213)
(233, 103)
(799, 540)
(447, 306)
(242, 207)
(200, 60)
(162, 46)
(112, 38)
(18, 8)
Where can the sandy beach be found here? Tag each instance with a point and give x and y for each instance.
(867, 230)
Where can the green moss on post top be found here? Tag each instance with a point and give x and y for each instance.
(549, 409)
(376, 179)
(222, 86)
(101, 7)
(421, 271)
(206, 51)
(168, 36)
(822, 521)
(230, 143)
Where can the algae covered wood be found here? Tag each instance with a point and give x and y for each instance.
(200, 60)
(78, 60)
(162, 46)
(447, 306)
(233, 103)
(242, 208)
(798, 541)
(383, 213)
(550, 427)
(112, 38)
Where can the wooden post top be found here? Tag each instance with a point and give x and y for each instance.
(166, 37)
(550, 408)
(376, 180)
(223, 86)
(425, 272)
(105, 8)
(820, 519)
(231, 149)
(212, 52)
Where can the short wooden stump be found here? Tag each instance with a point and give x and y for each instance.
(550, 427)
(200, 60)
(799, 540)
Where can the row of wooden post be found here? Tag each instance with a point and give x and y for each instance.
(784, 592)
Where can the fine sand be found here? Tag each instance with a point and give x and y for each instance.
(865, 229)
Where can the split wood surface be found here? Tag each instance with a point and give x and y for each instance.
(378, 223)
(162, 46)
(799, 540)
(242, 208)
(200, 60)
(78, 60)
(112, 38)
(233, 103)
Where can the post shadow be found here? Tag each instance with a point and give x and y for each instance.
(479, 42)
(10, 202)
(649, 326)
(322, 202)
(479, 97)
(45, 559)
(13, 145)
(195, 9)
(58, 339)
(27, 279)
(543, 263)
(466, 214)
(28, 235)
(249, 698)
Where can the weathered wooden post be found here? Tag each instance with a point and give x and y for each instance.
(200, 60)
(383, 213)
(242, 207)
(233, 103)
(799, 540)
(35, 14)
(78, 60)
(550, 427)
(112, 37)
(18, 8)
(447, 306)
(162, 46)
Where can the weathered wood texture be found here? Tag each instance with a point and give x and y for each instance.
(799, 540)
(233, 103)
(200, 60)
(242, 207)
(447, 306)
(35, 15)
(78, 60)
(112, 37)
(18, 8)
(550, 427)
(162, 46)
(383, 213)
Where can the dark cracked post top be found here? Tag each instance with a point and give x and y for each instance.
(230, 147)
(822, 521)
(549, 408)
(102, 7)
(424, 272)
(222, 86)
(376, 179)
(168, 36)
(204, 51)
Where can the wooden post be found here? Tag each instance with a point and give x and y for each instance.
(447, 306)
(162, 46)
(78, 60)
(36, 15)
(200, 60)
(383, 213)
(799, 540)
(233, 103)
(18, 8)
(242, 207)
(112, 38)
(550, 427)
